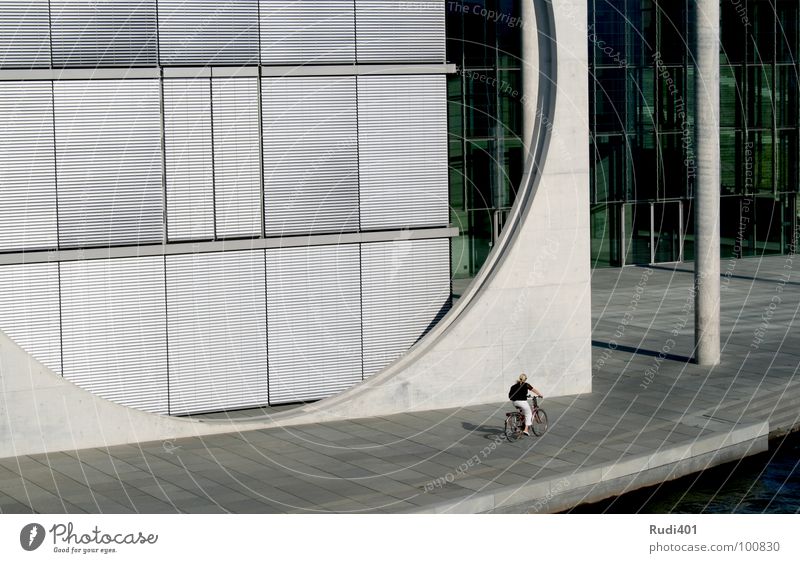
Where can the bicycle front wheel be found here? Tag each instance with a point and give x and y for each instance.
(511, 429)
(539, 422)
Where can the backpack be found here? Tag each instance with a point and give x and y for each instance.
(512, 390)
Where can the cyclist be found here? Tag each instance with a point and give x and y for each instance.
(519, 397)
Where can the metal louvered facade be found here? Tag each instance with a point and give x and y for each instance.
(314, 322)
(402, 120)
(237, 154)
(108, 162)
(405, 291)
(103, 33)
(27, 167)
(29, 312)
(114, 330)
(24, 34)
(188, 188)
(189, 166)
(310, 155)
(396, 31)
(199, 32)
(307, 32)
(217, 332)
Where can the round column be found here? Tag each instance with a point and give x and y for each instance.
(707, 185)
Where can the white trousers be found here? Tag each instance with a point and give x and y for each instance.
(526, 408)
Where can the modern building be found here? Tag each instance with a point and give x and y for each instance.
(641, 117)
(212, 206)
(209, 206)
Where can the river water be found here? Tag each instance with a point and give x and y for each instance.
(764, 483)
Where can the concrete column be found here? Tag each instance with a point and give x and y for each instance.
(530, 71)
(707, 184)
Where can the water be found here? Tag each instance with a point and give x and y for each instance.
(765, 483)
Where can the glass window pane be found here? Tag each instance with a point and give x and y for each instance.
(642, 96)
(479, 35)
(731, 87)
(734, 26)
(513, 161)
(510, 90)
(672, 162)
(456, 171)
(604, 221)
(509, 38)
(786, 95)
(786, 30)
(610, 100)
(760, 142)
(609, 168)
(643, 161)
(731, 170)
(787, 165)
(481, 107)
(760, 101)
(761, 16)
(609, 32)
(480, 174)
(673, 115)
(673, 42)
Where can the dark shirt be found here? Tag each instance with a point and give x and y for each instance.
(519, 391)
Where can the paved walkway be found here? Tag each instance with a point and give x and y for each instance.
(651, 416)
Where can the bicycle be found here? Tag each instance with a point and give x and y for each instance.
(515, 421)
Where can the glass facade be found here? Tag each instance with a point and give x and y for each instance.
(643, 165)
(643, 161)
(485, 124)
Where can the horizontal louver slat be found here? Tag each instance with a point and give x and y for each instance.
(307, 32)
(198, 32)
(397, 31)
(402, 136)
(24, 34)
(114, 330)
(405, 291)
(27, 167)
(237, 168)
(29, 310)
(310, 155)
(103, 33)
(217, 332)
(314, 322)
(108, 155)
(190, 176)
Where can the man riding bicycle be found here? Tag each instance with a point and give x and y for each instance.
(519, 397)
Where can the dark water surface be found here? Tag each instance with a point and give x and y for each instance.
(764, 483)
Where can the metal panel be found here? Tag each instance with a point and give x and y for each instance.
(114, 330)
(217, 332)
(314, 321)
(402, 137)
(27, 167)
(24, 34)
(29, 310)
(190, 170)
(237, 153)
(310, 155)
(307, 32)
(405, 292)
(400, 31)
(199, 32)
(104, 33)
(108, 155)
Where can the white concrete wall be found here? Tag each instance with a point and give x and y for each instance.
(528, 311)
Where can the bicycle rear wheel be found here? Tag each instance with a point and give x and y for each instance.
(511, 429)
(539, 422)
